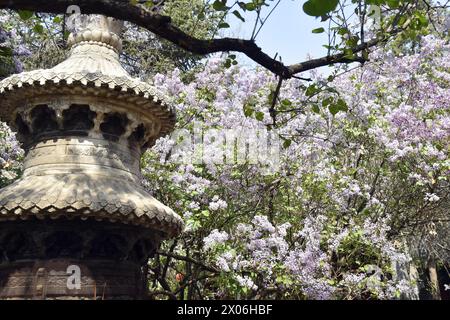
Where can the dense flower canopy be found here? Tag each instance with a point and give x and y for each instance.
(356, 195)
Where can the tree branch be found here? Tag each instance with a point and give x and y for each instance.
(188, 259)
(272, 110)
(162, 26)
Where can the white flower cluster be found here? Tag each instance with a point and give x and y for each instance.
(214, 238)
(217, 204)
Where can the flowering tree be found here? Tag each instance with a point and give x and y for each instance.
(12, 49)
(361, 189)
(45, 36)
(346, 190)
(353, 26)
(10, 156)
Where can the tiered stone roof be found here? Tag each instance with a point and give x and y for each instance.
(92, 179)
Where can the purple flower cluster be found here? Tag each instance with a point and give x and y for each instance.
(11, 40)
(339, 173)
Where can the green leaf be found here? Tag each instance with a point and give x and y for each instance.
(365, 54)
(219, 5)
(223, 25)
(332, 90)
(238, 15)
(250, 6)
(287, 143)
(315, 108)
(311, 90)
(57, 19)
(327, 101)
(259, 116)
(333, 108)
(343, 31)
(270, 96)
(66, 34)
(376, 2)
(25, 14)
(423, 21)
(342, 105)
(352, 41)
(248, 110)
(393, 4)
(149, 4)
(38, 28)
(205, 213)
(318, 8)
(318, 30)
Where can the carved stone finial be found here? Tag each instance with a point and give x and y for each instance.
(95, 28)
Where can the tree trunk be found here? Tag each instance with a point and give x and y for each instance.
(434, 282)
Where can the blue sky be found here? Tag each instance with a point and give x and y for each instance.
(287, 32)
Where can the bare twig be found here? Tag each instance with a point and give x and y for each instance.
(188, 259)
(272, 110)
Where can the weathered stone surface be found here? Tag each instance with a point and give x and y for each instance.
(92, 70)
(35, 257)
(76, 195)
(85, 177)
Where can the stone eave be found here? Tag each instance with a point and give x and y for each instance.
(17, 89)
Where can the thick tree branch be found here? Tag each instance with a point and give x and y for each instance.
(162, 26)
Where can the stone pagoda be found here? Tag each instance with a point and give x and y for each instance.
(78, 224)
